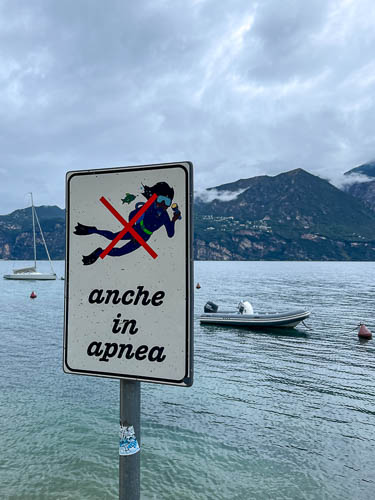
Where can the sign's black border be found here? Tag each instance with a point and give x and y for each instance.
(187, 380)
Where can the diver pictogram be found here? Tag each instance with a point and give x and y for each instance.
(144, 220)
(128, 227)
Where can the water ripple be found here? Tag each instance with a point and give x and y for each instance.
(270, 415)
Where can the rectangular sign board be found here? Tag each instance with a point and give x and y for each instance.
(129, 272)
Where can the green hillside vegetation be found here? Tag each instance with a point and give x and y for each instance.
(288, 204)
(292, 215)
(16, 239)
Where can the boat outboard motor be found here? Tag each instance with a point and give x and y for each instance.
(245, 308)
(210, 307)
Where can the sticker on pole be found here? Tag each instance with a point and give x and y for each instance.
(128, 442)
(128, 282)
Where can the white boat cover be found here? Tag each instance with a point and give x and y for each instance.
(25, 270)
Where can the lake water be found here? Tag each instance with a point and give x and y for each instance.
(270, 416)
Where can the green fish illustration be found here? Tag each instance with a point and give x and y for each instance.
(128, 198)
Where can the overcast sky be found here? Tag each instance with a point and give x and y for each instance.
(240, 88)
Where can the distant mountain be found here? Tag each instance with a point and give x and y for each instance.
(239, 185)
(16, 237)
(367, 169)
(363, 190)
(294, 215)
(291, 216)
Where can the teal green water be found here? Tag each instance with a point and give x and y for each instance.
(270, 416)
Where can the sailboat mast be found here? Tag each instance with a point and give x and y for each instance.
(44, 242)
(32, 211)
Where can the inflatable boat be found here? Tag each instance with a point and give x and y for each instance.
(245, 316)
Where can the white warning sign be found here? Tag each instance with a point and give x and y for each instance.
(129, 266)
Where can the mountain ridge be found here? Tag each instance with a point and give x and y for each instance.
(294, 215)
(363, 184)
(16, 237)
(367, 169)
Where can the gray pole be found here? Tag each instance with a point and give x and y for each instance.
(129, 466)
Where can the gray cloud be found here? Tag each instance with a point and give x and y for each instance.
(342, 181)
(259, 88)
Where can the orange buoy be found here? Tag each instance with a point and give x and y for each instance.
(198, 286)
(364, 332)
(33, 295)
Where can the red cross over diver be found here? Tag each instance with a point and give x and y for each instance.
(154, 218)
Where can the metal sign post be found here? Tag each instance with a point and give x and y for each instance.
(129, 286)
(130, 415)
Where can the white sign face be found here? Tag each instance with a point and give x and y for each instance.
(128, 280)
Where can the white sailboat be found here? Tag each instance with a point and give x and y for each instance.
(31, 273)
